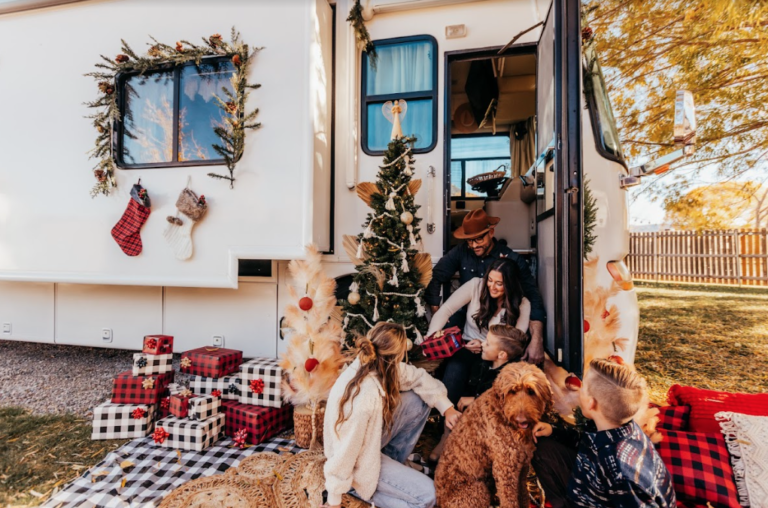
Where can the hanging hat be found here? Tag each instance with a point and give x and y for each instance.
(476, 223)
(464, 120)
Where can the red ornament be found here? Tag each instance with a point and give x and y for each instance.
(257, 386)
(139, 413)
(605, 314)
(311, 364)
(216, 393)
(240, 437)
(165, 403)
(572, 383)
(616, 359)
(586, 326)
(159, 435)
(237, 61)
(305, 303)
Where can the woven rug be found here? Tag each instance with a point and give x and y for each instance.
(140, 474)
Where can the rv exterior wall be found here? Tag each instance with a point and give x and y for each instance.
(46, 174)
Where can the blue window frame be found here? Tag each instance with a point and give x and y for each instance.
(406, 69)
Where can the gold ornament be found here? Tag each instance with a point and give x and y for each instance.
(408, 344)
(406, 217)
(353, 298)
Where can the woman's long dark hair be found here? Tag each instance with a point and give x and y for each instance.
(513, 295)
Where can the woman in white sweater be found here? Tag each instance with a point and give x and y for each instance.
(375, 413)
(497, 298)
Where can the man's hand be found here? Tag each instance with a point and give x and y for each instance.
(433, 308)
(534, 353)
(475, 345)
(465, 402)
(541, 429)
(451, 417)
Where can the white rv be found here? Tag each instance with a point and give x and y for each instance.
(64, 280)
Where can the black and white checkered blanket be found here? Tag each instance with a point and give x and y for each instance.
(156, 472)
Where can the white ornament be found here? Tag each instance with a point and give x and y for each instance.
(375, 308)
(391, 201)
(353, 298)
(413, 241)
(406, 217)
(408, 344)
(407, 171)
(420, 310)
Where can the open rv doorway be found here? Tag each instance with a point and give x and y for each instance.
(490, 141)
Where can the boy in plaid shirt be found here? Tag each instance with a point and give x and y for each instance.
(615, 466)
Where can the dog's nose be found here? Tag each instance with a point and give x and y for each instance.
(522, 422)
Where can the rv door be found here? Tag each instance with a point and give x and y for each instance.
(559, 183)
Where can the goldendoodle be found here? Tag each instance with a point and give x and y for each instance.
(492, 443)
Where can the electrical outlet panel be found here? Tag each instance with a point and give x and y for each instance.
(7, 328)
(106, 335)
(218, 340)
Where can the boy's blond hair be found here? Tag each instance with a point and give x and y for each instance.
(511, 340)
(618, 389)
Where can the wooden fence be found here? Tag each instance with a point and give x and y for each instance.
(737, 256)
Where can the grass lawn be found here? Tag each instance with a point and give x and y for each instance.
(709, 337)
(705, 336)
(39, 454)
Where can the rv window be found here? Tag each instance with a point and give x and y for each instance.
(169, 115)
(603, 121)
(406, 69)
(474, 155)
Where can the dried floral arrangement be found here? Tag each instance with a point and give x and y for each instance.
(236, 119)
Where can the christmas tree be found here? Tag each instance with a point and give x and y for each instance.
(313, 358)
(391, 272)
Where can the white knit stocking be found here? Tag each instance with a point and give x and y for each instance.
(180, 237)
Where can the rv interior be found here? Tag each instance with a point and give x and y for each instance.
(493, 106)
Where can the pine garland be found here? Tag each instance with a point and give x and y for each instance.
(159, 55)
(590, 220)
(361, 32)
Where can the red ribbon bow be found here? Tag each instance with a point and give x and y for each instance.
(257, 386)
(216, 393)
(240, 437)
(159, 435)
(151, 343)
(139, 413)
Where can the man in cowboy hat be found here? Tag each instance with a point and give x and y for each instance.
(471, 258)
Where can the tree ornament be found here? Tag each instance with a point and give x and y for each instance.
(353, 298)
(573, 383)
(408, 344)
(159, 435)
(305, 303)
(406, 217)
(311, 364)
(586, 326)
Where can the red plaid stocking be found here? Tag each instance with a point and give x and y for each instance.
(127, 230)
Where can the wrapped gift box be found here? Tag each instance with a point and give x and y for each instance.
(145, 364)
(202, 408)
(442, 344)
(122, 421)
(211, 361)
(261, 422)
(130, 389)
(260, 381)
(158, 344)
(163, 408)
(180, 405)
(229, 386)
(184, 434)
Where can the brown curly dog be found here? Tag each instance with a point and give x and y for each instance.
(492, 442)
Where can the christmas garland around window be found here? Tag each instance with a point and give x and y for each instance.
(236, 119)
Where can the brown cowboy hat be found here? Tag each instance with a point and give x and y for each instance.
(463, 119)
(476, 223)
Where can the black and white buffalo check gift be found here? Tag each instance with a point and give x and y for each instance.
(145, 364)
(229, 386)
(184, 434)
(122, 421)
(260, 380)
(202, 408)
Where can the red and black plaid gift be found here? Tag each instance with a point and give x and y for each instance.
(211, 361)
(163, 408)
(158, 344)
(130, 389)
(260, 422)
(442, 344)
(179, 406)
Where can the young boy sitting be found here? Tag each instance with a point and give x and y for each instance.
(617, 465)
(502, 345)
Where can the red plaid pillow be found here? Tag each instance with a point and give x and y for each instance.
(700, 468)
(673, 417)
(705, 403)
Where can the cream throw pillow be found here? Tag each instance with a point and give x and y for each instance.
(747, 440)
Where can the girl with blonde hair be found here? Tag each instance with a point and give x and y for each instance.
(375, 413)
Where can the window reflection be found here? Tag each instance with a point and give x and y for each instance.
(148, 132)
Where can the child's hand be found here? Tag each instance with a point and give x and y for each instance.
(465, 402)
(475, 345)
(451, 417)
(541, 429)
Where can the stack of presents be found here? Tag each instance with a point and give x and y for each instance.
(225, 397)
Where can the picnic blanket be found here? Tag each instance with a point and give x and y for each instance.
(154, 473)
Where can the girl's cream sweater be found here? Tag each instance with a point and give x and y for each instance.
(354, 452)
